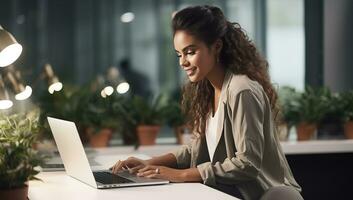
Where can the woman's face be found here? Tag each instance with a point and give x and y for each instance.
(194, 56)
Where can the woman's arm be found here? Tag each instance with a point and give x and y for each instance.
(191, 175)
(167, 160)
(173, 175)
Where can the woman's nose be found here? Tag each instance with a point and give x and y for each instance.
(183, 62)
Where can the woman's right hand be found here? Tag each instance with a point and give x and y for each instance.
(132, 164)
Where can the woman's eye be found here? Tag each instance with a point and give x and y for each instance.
(190, 52)
(178, 55)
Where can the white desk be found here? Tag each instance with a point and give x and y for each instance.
(56, 185)
(59, 186)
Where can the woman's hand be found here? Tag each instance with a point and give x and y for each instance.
(132, 164)
(161, 172)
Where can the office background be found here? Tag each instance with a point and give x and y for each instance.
(307, 43)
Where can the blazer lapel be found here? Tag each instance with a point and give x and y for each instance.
(222, 105)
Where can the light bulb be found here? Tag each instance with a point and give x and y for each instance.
(103, 94)
(123, 88)
(10, 54)
(24, 94)
(5, 104)
(55, 87)
(108, 90)
(127, 17)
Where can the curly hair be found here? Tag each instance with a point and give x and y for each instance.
(239, 54)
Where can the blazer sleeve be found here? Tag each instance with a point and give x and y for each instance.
(183, 156)
(246, 118)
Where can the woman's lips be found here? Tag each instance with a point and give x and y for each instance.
(190, 71)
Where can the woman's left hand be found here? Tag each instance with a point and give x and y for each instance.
(161, 172)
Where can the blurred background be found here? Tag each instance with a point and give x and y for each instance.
(110, 66)
(91, 48)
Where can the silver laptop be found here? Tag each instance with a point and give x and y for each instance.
(76, 163)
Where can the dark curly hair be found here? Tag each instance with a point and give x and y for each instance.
(239, 54)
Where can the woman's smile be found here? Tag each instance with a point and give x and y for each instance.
(190, 71)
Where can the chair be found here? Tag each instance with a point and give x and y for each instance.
(281, 193)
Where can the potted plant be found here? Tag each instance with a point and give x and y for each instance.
(125, 123)
(147, 117)
(61, 104)
(305, 110)
(18, 161)
(311, 108)
(331, 122)
(347, 110)
(289, 110)
(98, 118)
(176, 119)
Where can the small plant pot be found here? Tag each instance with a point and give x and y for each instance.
(20, 193)
(348, 129)
(147, 134)
(102, 138)
(305, 131)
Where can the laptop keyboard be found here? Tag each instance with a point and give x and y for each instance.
(109, 178)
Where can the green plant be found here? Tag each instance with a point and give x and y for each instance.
(289, 105)
(346, 102)
(61, 104)
(18, 160)
(309, 106)
(173, 114)
(147, 111)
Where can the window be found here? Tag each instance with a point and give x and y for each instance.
(285, 42)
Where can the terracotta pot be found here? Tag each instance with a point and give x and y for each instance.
(348, 129)
(102, 138)
(20, 193)
(179, 132)
(305, 131)
(147, 134)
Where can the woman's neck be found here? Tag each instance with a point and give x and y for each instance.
(216, 77)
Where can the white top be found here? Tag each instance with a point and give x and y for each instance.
(211, 131)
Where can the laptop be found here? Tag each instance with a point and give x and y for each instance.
(77, 166)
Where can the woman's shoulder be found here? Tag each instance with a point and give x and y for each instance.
(238, 84)
(241, 82)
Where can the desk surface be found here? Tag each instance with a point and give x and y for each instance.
(58, 186)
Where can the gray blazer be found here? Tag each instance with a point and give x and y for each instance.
(248, 154)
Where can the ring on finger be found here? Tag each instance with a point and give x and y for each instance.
(156, 170)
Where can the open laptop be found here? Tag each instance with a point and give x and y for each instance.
(76, 163)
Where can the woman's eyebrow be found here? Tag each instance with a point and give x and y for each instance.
(186, 48)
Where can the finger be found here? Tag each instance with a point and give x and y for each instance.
(112, 167)
(146, 173)
(146, 168)
(118, 166)
(135, 169)
(154, 175)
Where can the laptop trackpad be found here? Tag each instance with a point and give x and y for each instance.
(136, 178)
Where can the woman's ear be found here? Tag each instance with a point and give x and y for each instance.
(218, 46)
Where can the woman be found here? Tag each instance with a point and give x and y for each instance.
(232, 108)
